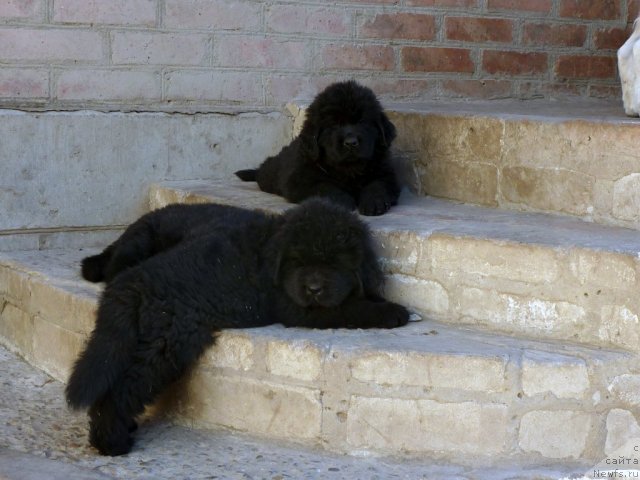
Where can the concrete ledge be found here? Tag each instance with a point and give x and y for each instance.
(427, 389)
(541, 276)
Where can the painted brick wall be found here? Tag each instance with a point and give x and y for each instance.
(200, 54)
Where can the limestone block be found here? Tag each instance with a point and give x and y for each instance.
(55, 349)
(392, 424)
(401, 252)
(626, 388)
(423, 295)
(468, 182)
(231, 350)
(622, 426)
(598, 268)
(619, 325)
(516, 313)
(629, 68)
(511, 261)
(564, 377)
(75, 307)
(549, 189)
(626, 194)
(464, 372)
(16, 328)
(299, 360)
(555, 434)
(258, 407)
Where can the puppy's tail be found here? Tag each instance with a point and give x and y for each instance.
(93, 267)
(108, 351)
(249, 175)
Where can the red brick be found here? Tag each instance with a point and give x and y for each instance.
(634, 10)
(561, 35)
(591, 9)
(260, 52)
(213, 14)
(116, 12)
(302, 19)
(605, 91)
(400, 89)
(412, 26)
(474, 29)
(582, 66)
(357, 57)
(514, 63)
(488, 89)
(435, 59)
(538, 6)
(442, 3)
(377, 2)
(610, 38)
(550, 90)
(23, 83)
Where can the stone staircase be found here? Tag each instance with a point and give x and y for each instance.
(527, 353)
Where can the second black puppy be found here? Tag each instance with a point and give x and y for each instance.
(342, 153)
(313, 267)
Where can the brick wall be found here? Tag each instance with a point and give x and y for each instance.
(199, 54)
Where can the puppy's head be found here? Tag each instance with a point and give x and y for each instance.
(323, 255)
(346, 128)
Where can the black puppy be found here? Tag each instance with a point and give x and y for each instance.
(313, 267)
(342, 153)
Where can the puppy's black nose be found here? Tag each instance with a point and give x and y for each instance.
(314, 289)
(351, 141)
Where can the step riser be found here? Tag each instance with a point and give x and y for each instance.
(479, 407)
(577, 295)
(574, 167)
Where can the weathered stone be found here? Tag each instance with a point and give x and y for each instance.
(555, 434)
(16, 328)
(473, 256)
(299, 360)
(55, 349)
(603, 268)
(467, 182)
(622, 426)
(626, 388)
(626, 198)
(231, 350)
(259, 407)
(464, 372)
(75, 306)
(564, 377)
(548, 189)
(620, 326)
(392, 424)
(401, 252)
(514, 313)
(424, 295)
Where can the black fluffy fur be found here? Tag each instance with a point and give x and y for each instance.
(342, 153)
(182, 273)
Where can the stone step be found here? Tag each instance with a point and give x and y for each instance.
(537, 275)
(577, 158)
(31, 400)
(425, 390)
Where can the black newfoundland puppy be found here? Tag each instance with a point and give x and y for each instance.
(342, 153)
(182, 273)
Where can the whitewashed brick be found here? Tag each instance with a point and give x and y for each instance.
(213, 14)
(51, 45)
(260, 52)
(22, 9)
(291, 18)
(24, 83)
(214, 86)
(115, 12)
(131, 48)
(104, 85)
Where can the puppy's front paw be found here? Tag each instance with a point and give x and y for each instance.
(391, 315)
(374, 204)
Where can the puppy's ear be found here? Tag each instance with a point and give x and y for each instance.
(309, 144)
(387, 130)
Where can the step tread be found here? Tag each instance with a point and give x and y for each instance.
(426, 216)
(59, 269)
